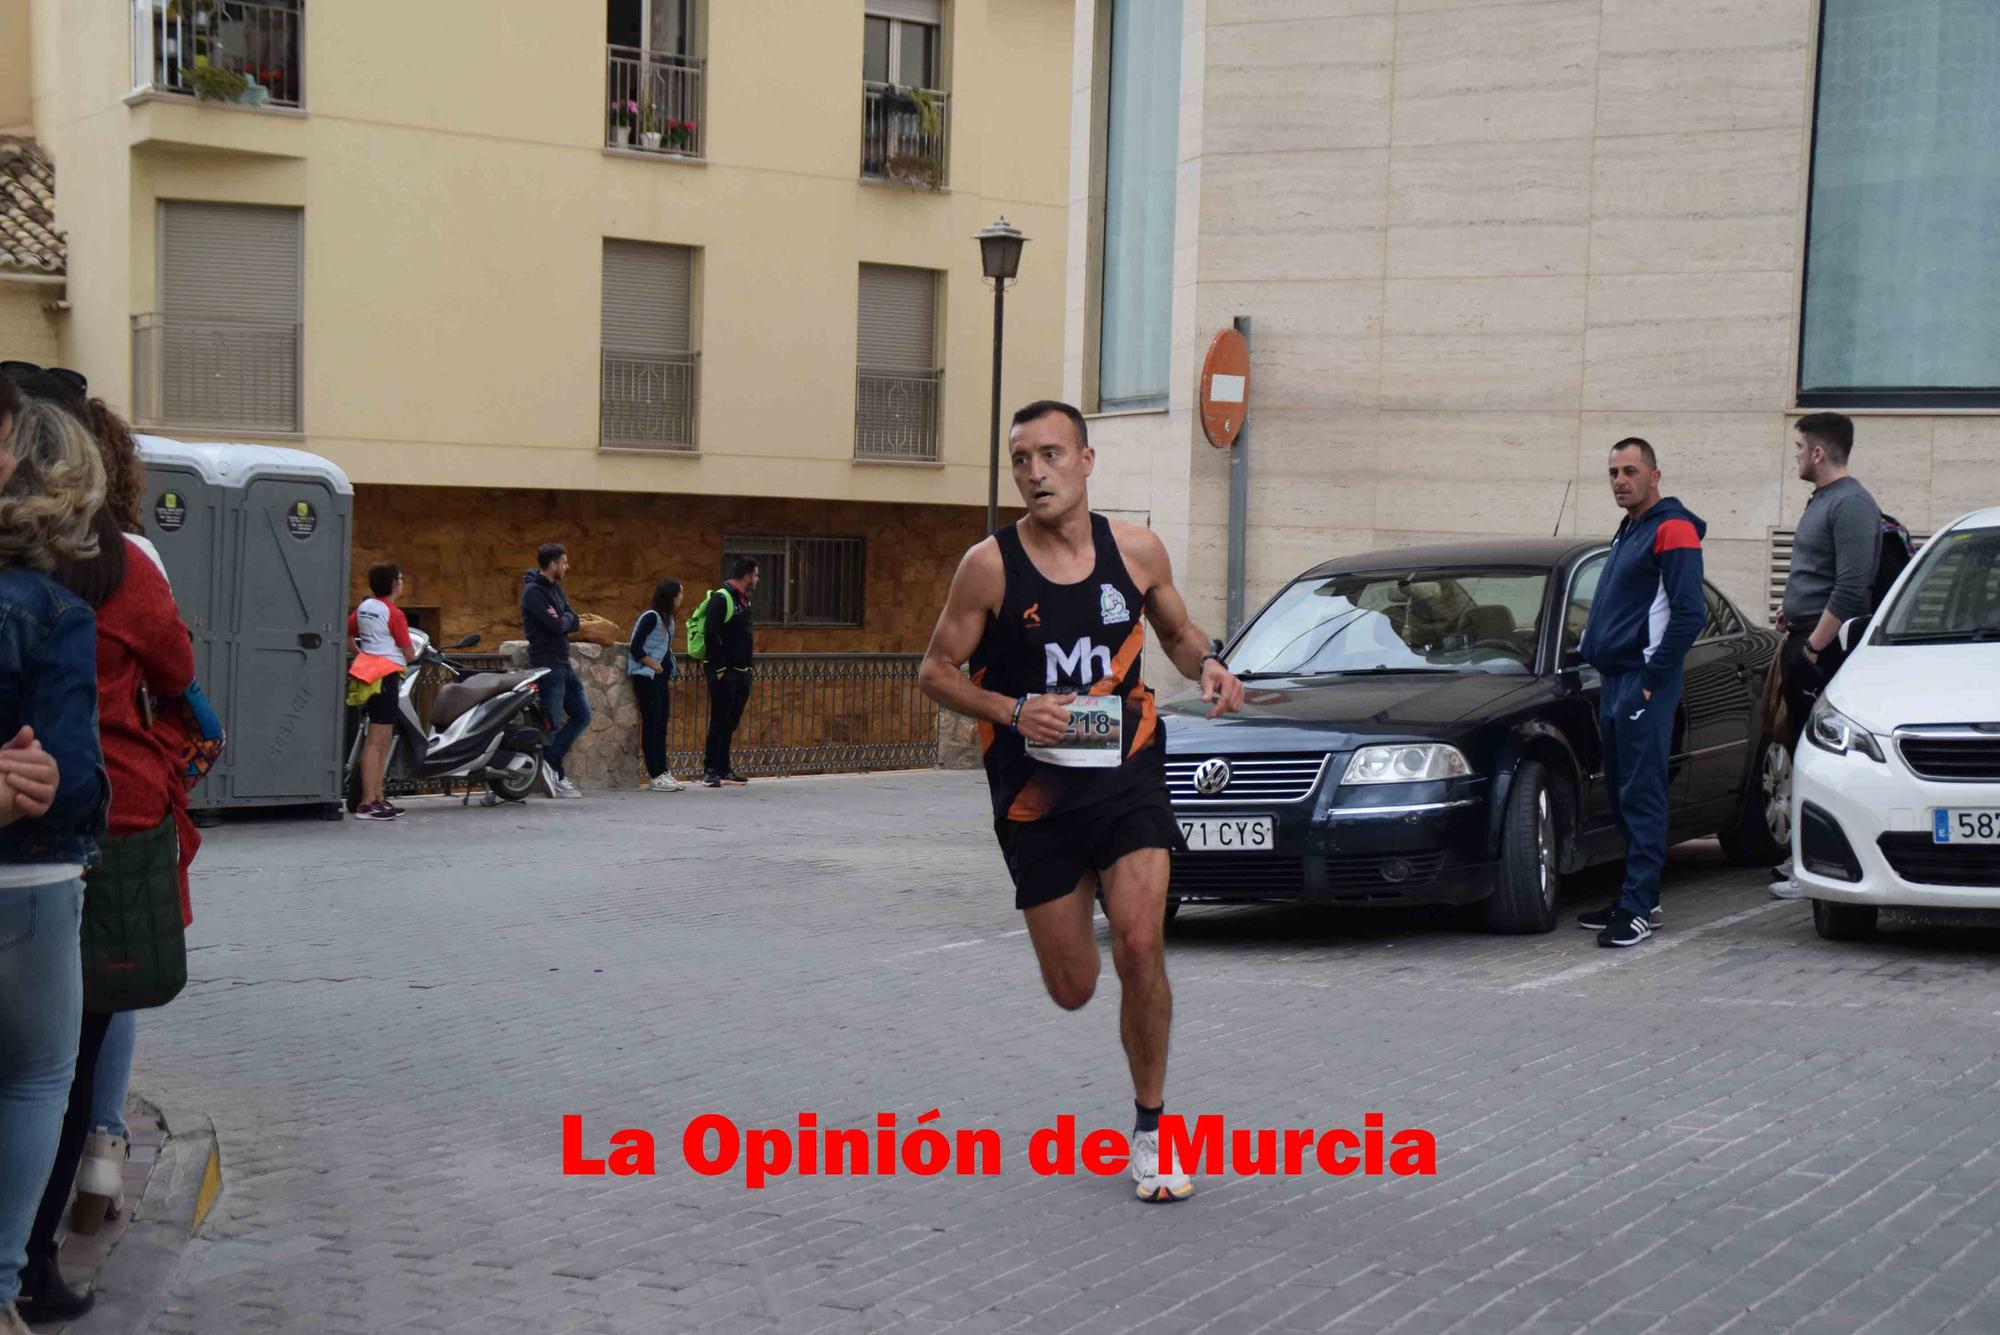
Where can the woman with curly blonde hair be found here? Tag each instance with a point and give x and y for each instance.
(54, 797)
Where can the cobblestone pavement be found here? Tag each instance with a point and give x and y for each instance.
(1736, 1127)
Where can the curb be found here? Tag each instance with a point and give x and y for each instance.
(184, 1185)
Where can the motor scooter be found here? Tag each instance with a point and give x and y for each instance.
(483, 726)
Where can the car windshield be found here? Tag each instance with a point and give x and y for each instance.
(1463, 620)
(1953, 596)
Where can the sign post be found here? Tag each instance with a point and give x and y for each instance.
(1225, 404)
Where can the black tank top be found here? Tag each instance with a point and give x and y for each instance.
(1054, 638)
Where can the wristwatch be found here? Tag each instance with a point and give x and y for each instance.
(1204, 661)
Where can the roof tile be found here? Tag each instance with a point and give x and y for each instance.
(29, 241)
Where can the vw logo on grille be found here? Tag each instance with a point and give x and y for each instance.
(1212, 777)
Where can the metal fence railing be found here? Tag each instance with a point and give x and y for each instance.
(221, 50)
(647, 400)
(896, 414)
(813, 714)
(905, 134)
(209, 373)
(653, 102)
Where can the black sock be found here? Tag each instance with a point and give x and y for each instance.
(1149, 1118)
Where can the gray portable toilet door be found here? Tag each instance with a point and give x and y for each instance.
(290, 610)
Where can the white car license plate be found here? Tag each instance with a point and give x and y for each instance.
(1961, 825)
(1229, 834)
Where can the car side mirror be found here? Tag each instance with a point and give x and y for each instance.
(1215, 647)
(1851, 631)
(467, 642)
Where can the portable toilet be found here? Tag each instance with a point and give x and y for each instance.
(255, 540)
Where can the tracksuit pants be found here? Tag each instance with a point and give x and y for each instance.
(1638, 738)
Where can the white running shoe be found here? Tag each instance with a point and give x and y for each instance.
(1153, 1185)
(665, 783)
(564, 788)
(100, 1181)
(1787, 889)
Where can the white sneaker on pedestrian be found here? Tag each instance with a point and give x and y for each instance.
(665, 783)
(1786, 889)
(1153, 1185)
(564, 788)
(100, 1181)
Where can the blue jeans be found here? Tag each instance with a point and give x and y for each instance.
(568, 711)
(41, 1015)
(1638, 736)
(114, 1072)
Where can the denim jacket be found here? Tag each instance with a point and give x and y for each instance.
(48, 680)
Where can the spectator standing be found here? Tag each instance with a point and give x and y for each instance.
(1655, 565)
(1834, 553)
(731, 648)
(54, 796)
(650, 667)
(547, 619)
(381, 635)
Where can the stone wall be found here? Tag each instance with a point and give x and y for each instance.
(464, 550)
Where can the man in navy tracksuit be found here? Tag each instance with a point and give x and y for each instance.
(1648, 609)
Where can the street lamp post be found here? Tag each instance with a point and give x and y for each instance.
(1000, 257)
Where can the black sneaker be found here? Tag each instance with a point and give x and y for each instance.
(1599, 919)
(1626, 929)
(733, 779)
(394, 810)
(711, 780)
(374, 811)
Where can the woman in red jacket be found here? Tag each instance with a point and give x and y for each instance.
(142, 645)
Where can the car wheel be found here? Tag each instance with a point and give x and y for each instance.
(1843, 922)
(1763, 832)
(1530, 855)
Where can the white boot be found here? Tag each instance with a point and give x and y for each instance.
(100, 1181)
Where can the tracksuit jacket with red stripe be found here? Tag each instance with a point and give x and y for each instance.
(1649, 605)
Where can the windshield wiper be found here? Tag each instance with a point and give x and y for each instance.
(1377, 669)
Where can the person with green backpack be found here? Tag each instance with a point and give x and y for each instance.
(719, 637)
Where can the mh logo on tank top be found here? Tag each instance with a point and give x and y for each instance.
(1077, 665)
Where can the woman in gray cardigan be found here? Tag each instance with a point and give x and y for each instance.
(650, 665)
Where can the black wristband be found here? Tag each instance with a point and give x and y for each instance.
(1204, 660)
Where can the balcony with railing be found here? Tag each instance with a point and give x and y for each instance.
(239, 51)
(896, 415)
(647, 400)
(211, 374)
(652, 102)
(905, 134)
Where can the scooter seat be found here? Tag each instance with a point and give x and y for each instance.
(457, 698)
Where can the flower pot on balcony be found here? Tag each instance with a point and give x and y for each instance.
(621, 135)
(649, 139)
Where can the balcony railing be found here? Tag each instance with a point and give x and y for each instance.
(648, 399)
(652, 102)
(896, 415)
(905, 134)
(211, 374)
(221, 50)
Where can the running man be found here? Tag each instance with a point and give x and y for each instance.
(1047, 613)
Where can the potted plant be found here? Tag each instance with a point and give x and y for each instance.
(622, 113)
(918, 169)
(651, 126)
(213, 83)
(680, 136)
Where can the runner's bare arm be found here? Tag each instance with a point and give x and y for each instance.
(1185, 643)
(976, 592)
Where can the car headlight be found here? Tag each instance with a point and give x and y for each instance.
(1409, 762)
(1831, 730)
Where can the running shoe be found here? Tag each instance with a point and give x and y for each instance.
(564, 788)
(1152, 1185)
(711, 780)
(374, 811)
(1600, 919)
(1627, 929)
(1785, 889)
(665, 783)
(733, 779)
(394, 809)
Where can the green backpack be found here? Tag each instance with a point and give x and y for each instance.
(697, 622)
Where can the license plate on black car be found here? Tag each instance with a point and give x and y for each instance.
(1229, 834)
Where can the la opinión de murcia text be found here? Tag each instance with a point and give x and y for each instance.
(714, 1146)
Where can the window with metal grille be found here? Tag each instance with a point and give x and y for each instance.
(649, 384)
(897, 377)
(222, 350)
(803, 581)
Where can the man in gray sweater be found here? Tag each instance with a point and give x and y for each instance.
(1834, 550)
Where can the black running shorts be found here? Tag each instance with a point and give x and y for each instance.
(1048, 857)
(381, 706)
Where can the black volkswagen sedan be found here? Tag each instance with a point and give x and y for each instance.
(1420, 729)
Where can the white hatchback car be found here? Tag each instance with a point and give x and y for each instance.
(1896, 784)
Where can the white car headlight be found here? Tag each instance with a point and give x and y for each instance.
(1830, 730)
(1408, 762)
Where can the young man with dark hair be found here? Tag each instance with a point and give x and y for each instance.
(727, 625)
(547, 620)
(1050, 613)
(1648, 609)
(1834, 551)
(381, 631)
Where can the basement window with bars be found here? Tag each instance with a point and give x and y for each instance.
(803, 581)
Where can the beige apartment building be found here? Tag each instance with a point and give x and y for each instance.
(667, 280)
(1480, 242)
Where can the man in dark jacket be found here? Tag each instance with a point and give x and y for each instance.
(547, 620)
(727, 626)
(1648, 609)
